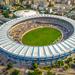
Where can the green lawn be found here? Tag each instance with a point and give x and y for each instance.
(41, 36)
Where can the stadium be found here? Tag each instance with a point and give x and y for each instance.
(18, 44)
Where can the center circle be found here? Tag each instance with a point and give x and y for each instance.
(41, 36)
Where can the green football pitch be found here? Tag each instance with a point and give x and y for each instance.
(41, 37)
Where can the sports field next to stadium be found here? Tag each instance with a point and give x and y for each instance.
(42, 36)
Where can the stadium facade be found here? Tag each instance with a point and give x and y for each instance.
(40, 54)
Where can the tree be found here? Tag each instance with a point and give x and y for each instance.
(9, 65)
(6, 13)
(74, 61)
(15, 72)
(32, 1)
(35, 72)
(35, 65)
(21, 1)
(59, 63)
(66, 67)
(50, 73)
(51, 4)
(68, 60)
